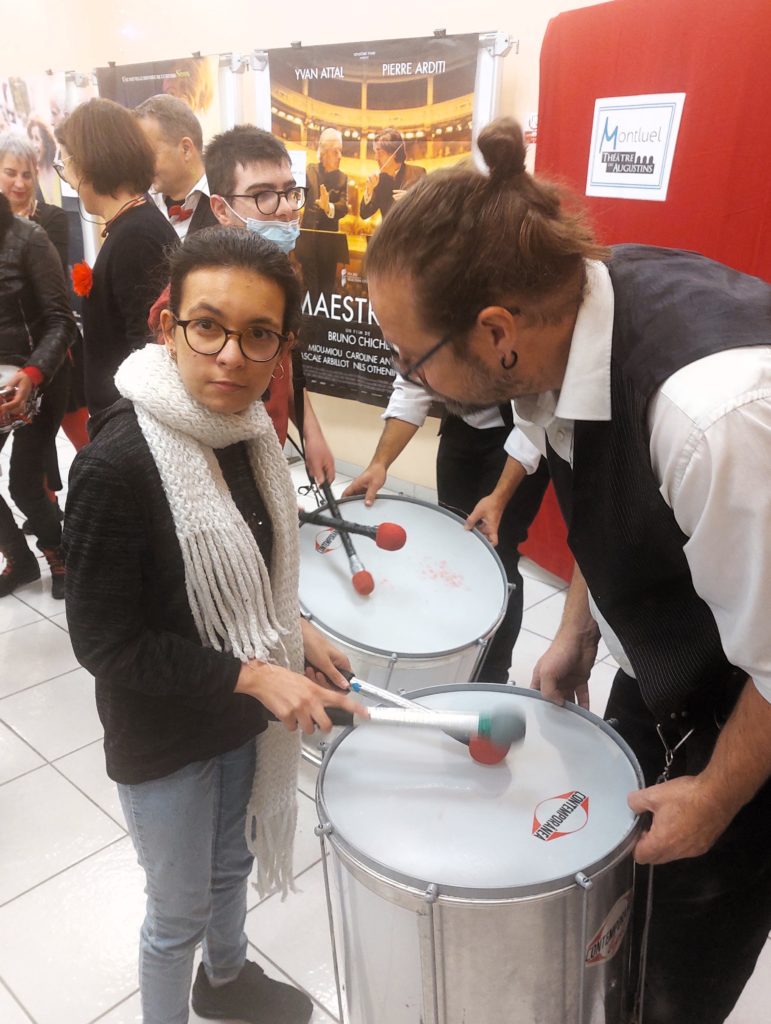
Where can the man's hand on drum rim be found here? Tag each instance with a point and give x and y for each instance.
(367, 483)
(562, 673)
(687, 819)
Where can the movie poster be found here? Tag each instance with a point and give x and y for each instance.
(364, 122)
(192, 79)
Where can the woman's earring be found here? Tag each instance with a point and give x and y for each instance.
(511, 362)
(279, 366)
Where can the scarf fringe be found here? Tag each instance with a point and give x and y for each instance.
(218, 582)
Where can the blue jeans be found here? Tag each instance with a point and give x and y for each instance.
(188, 831)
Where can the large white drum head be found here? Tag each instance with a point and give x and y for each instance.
(416, 806)
(442, 591)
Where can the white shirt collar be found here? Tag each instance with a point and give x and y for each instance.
(202, 186)
(585, 391)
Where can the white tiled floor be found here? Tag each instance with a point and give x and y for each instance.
(71, 896)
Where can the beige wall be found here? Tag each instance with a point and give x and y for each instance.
(81, 34)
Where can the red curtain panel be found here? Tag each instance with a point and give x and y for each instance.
(719, 197)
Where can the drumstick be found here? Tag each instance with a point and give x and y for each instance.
(495, 730)
(388, 536)
(363, 583)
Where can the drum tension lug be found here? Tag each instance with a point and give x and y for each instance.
(324, 830)
(431, 895)
(583, 881)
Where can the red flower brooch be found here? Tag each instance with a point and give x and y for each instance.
(82, 279)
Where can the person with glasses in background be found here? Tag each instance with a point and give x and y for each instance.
(252, 185)
(192, 627)
(106, 158)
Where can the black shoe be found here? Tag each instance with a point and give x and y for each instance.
(21, 567)
(252, 997)
(55, 559)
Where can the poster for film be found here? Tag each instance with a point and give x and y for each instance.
(191, 79)
(364, 123)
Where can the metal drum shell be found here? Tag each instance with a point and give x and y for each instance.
(510, 956)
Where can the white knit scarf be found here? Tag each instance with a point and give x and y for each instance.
(236, 605)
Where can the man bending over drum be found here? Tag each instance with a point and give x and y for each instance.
(644, 376)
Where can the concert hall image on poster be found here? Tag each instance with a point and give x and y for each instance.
(363, 122)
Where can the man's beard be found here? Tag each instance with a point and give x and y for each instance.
(485, 388)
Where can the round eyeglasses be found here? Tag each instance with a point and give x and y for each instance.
(59, 166)
(269, 200)
(207, 337)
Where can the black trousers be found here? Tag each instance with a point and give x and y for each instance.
(469, 463)
(33, 460)
(711, 915)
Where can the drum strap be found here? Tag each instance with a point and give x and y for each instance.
(639, 1002)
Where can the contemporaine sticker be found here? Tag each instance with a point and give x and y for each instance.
(560, 815)
(327, 540)
(633, 146)
(607, 942)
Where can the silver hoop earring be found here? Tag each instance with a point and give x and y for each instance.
(279, 366)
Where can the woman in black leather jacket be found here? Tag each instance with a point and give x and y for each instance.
(36, 329)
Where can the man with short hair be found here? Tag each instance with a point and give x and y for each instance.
(322, 245)
(252, 185)
(180, 189)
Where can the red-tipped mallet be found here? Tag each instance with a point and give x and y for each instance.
(388, 536)
(362, 581)
(489, 735)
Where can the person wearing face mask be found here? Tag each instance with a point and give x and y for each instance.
(322, 245)
(106, 158)
(252, 185)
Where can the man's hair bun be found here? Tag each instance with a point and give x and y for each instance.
(503, 148)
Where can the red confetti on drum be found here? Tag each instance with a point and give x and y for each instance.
(443, 573)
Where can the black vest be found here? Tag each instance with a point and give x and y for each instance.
(671, 309)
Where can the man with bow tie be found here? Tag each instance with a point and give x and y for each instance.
(179, 190)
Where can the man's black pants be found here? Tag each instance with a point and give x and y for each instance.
(711, 914)
(468, 465)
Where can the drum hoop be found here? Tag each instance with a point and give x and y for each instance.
(464, 894)
(357, 645)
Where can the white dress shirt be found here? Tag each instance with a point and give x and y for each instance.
(411, 402)
(198, 193)
(710, 447)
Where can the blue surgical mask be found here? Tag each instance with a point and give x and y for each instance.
(282, 233)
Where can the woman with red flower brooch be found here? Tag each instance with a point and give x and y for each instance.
(106, 158)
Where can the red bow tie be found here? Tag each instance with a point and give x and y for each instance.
(179, 212)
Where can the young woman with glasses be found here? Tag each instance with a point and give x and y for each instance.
(181, 539)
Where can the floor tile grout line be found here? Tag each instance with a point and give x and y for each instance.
(16, 999)
(40, 682)
(63, 871)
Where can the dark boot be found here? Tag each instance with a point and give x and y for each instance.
(21, 566)
(55, 559)
(252, 997)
